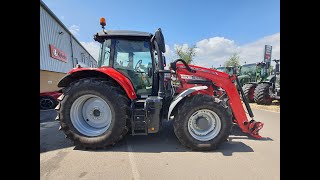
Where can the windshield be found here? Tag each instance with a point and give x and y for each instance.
(249, 69)
(132, 55)
(222, 69)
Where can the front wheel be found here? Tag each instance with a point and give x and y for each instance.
(262, 95)
(201, 123)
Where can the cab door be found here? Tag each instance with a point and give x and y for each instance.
(133, 58)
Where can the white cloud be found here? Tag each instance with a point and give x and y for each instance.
(93, 48)
(211, 52)
(253, 52)
(74, 29)
(216, 50)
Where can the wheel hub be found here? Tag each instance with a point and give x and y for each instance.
(96, 113)
(204, 125)
(91, 115)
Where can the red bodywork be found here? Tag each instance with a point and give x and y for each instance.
(123, 81)
(54, 94)
(225, 81)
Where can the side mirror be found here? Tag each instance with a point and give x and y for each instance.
(160, 40)
(150, 71)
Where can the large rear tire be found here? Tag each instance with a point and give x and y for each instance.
(261, 94)
(248, 90)
(93, 113)
(216, 123)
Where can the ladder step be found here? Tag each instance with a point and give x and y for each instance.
(139, 125)
(138, 133)
(140, 100)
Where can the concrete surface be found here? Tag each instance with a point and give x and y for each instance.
(161, 156)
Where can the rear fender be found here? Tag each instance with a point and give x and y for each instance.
(182, 95)
(105, 72)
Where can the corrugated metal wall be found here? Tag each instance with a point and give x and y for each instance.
(80, 55)
(49, 34)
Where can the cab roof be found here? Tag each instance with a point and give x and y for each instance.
(111, 33)
(101, 35)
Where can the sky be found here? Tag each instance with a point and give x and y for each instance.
(217, 28)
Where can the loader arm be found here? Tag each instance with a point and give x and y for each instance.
(225, 81)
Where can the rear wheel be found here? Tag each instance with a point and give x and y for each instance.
(248, 90)
(93, 113)
(202, 124)
(262, 95)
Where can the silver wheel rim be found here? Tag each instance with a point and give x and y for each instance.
(91, 115)
(204, 125)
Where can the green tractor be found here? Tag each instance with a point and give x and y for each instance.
(246, 73)
(264, 87)
(269, 90)
(253, 74)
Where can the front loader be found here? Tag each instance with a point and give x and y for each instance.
(130, 91)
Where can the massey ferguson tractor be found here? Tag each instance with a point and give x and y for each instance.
(130, 91)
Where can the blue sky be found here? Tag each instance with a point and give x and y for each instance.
(185, 23)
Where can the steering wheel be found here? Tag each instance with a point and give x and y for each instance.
(136, 68)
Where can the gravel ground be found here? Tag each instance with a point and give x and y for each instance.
(275, 106)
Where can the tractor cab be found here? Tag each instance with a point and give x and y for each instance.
(131, 57)
(133, 54)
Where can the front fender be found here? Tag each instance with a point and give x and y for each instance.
(104, 72)
(182, 95)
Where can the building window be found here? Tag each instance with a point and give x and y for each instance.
(76, 60)
(83, 58)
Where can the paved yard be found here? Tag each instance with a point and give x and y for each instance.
(160, 156)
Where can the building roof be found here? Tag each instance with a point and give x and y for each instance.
(62, 25)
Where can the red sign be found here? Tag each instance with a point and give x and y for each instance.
(57, 53)
(267, 53)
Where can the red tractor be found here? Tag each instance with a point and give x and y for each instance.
(130, 91)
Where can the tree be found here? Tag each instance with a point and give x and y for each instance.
(234, 60)
(185, 54)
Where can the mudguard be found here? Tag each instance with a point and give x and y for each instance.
(182, 95)
(104, 72)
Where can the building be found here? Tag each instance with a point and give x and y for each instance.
(60, 51)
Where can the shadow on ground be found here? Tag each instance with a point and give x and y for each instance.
(236, 133)
(164, 141)
(50, 137)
